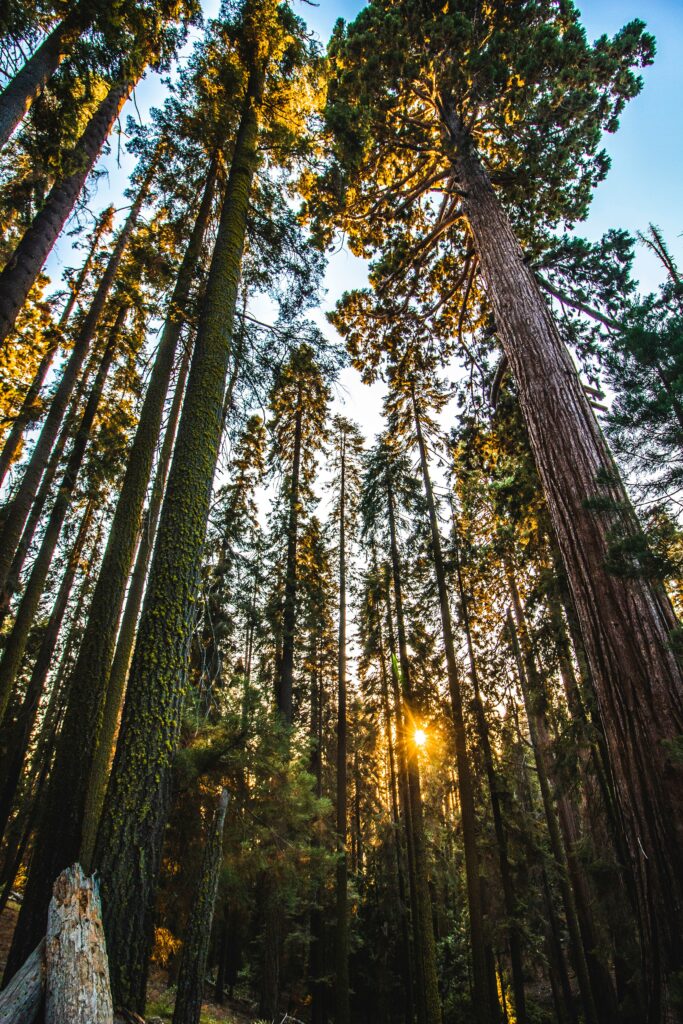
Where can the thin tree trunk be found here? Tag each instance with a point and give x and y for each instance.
(510, 903)
(190, 992)
(21, 729)
(16, 514)
(342, 1015)
(285, 680)
(483, 1008)
(45, 489)
(427, 947)
(86, 762)
(27, 260)
(554, 834)
(28, 411)
(129, 841)
(16, 642)
(396, 822)
(27, 84)
(626, 622)
(102, 758)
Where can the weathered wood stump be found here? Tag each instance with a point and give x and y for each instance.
(77, 987)
(20, 1001)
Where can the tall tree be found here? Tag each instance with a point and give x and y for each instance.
(408, 83)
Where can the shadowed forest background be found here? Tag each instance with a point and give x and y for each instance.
(340, 543)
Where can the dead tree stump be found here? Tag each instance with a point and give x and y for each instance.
(77, 981)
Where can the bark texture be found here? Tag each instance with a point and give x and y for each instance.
(77, 984)
(128, 848)
(21, 1000)
(25, 263)
(188, 1004)
(16, 515)
(28, 83)
(626, 622)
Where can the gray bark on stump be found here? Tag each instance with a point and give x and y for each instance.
(77, 982)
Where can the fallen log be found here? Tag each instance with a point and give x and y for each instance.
(20, 1001)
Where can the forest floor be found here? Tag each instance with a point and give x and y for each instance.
(159, 995)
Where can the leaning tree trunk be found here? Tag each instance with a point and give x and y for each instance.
(27, 84)
(285, 679)
(554, 834)
(116, 683)
(129, 841)
(426, 947)
(484, 1010)
(44, 491)
(19, 733)
(15, 517)
(626, 622)
(29, 407)
(83, 761)
(190, 992)
(28, 606)
(514, 929)
(21, 1000)
(341, 935)
(31, 922)
(26, 262)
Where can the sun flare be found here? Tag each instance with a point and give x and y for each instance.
(420, 737)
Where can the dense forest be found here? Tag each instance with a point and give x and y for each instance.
(348, 727)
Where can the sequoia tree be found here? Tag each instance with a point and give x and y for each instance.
(497, 112)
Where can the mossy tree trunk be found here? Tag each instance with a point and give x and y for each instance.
(18, 637)
(31, 922)
(128, 848)
(80, 765)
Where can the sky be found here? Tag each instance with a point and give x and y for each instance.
(642, 187)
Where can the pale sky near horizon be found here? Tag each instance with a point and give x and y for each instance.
(642, 186)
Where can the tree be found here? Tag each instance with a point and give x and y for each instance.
(409, 96)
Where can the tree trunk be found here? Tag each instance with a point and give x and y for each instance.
(20, 731)
(188, 1004)
(426, 949)
(87, 760)
(77, 973)
(128, 848)
(285, 680)
(342, 1015)
(31, 922)
(44, 491)
(15, 517)
(16, 642)
(556, 845)
(483, 1008)
(116, 683)
(28, 412)
(21, 1000)
(507, 882)
(396, 822)
(626, 622)
(27, 260)
(27, 84)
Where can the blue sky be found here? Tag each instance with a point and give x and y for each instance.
(643, 186)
